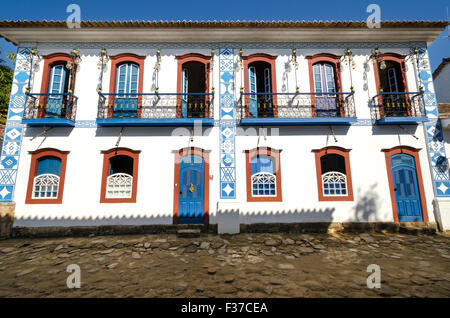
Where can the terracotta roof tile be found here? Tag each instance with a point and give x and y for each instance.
(220, 24)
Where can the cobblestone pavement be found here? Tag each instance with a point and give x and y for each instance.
(246, 265)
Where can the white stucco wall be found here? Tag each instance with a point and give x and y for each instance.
(372, 200)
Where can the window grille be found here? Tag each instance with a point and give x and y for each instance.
(334, 184)
(119, 185)
(45, 186)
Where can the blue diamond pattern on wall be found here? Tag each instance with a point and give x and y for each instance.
(14, 132)
(227, 124)
(437, 156)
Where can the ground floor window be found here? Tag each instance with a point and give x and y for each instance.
(333, 174)
(119, 180)
(46, 179)
(263, 174)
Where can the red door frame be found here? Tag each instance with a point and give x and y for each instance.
(193, 57)
(396, 58)
(261, 57)
(176, 189)
(332, 59)
(415, 154)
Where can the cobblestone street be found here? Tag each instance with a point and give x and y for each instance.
(246, 265)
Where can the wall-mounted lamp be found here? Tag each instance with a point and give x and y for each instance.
(382, 65)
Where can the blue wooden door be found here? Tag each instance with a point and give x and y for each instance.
(127, 81)
(324, 83)
(407, 196)
(252, 99)
(184, 90)
(191, 187)
(56, 90)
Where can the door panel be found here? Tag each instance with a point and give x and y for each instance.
(253, 99)
(324, 83)
(406, 189)
(56, 87)
(191, 196)
(127, 86)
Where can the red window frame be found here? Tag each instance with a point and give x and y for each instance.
(348, 173)
(192, 57)
(49, 61)
(35, 156)
(107, 155)
(117, 60)
(178, 155)
(274, 153)
(332, 59)
(263, 57)
(394, 57)
(388, 153)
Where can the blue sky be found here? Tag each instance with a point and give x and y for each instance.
(233, 10)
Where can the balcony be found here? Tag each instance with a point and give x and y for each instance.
(398, 108)
(296, 109)
(155, 109)
(50, 110)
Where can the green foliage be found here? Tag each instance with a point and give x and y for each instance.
(6, 76)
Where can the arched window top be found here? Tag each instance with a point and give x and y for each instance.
(121, 164)
(324, 57)
(332, 163)
(262, 163)
(49, 165)
(193, 57)
(191, 159)
(402, 160)
(259, 57)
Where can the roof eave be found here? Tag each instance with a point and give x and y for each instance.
(117, 34)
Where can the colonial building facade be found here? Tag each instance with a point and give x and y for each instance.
(222, 123)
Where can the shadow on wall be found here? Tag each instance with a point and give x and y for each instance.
(367, 205)
(91, 221)
(287, 216)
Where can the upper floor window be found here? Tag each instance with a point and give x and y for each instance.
(119, 180)
(260, 85)
(46, 179)
(390, 78)
(58, 84)
(127, 74)
(263, 175)
(325, 81)
(333, 174)
(193, 85)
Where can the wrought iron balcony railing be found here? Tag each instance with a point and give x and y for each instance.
(50, 106)
(156, 105)
(296, 105)
(398, 104)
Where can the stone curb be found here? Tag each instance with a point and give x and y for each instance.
(378, 227)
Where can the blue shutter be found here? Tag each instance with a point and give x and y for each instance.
(253, 100)
(49, 165)
(393, 83)
(262, 164)
(127, 83)
(329, 77)
(267, 80)
(56, 87)
(184, 90)
(317, 79)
